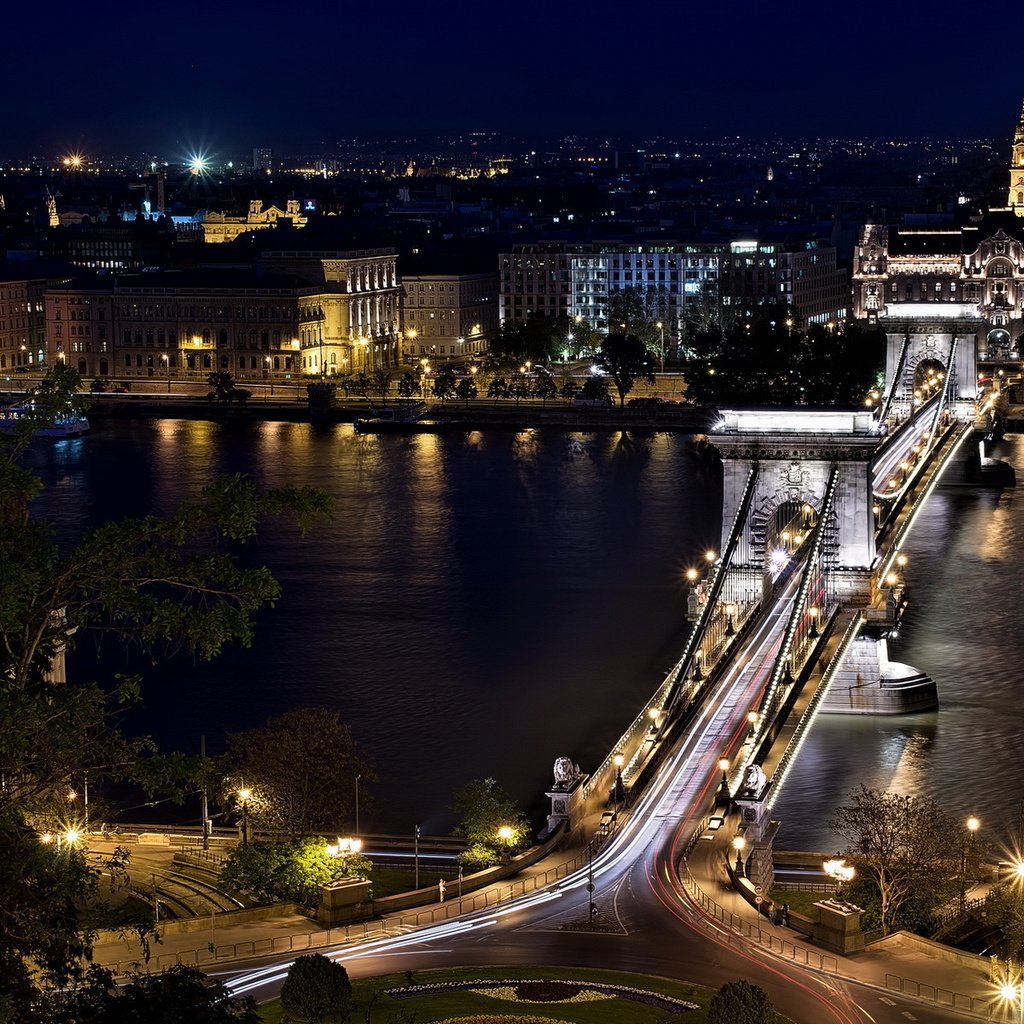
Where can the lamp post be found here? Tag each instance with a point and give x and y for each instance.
(661, 330)
(738, 844)
(166, 360)
(505, 834)
(730, 616)
(243, 795)
(416, 857)
(723, 789)
(358, 777)
(812, 614)
(841, 872)
(618, 760)
(1014, 994)
(970, 827)
(344, 848)
(266, 373)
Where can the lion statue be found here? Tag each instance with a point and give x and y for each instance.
(566, 772)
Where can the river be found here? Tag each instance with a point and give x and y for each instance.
(484, 602)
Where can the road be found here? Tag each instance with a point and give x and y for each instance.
(652, 923)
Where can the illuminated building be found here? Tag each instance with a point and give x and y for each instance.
(22, 316)
(222, 227)
(448, 316)
(974, 271)
(676, 279)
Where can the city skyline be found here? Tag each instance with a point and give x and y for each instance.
(235, 79)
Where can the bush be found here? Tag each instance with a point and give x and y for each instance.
(316, 990)
(739, 1002)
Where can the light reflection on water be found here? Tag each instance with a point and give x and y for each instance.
(962, 628)
(484, 602)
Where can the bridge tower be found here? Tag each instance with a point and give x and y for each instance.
(796, 454)
(917, 343)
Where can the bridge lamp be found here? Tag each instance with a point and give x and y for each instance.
(618, 760)
(868, 403)
(812, 614)
(1018, 868)
(739, 844)
(876, 510)
(730, 614)
(244, 795)
(698, 658)
(752, 718)
(723, 789)
(892, 579)
(901, 560)
(710, 556)
(692, 575)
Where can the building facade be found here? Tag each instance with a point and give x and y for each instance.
(221, 227)
(23, 316)
(678, 281)
(448, 316)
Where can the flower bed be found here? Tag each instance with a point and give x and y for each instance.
(548, 991)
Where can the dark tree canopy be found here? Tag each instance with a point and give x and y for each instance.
(626, 360)
(490, 820)
(317, 990)
(739, 1002)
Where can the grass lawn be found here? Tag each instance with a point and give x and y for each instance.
(445, 1005)
(801, 902)
(390, 881)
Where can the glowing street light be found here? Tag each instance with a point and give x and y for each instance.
(723, 789)
(243, 795)
(841, 872)
(618, 760)
(710, 556)
(739, 844)
(344, 848)
(971, 825)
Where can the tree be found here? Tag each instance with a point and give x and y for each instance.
(466, 390)
(380, 384)
(497, 388)
(316, 990)
(577, 337)
(626, 359)
(544, 387)
(223, 384)
(905, 845)
(1004, 909)
(739, 1002)
(490, 820)
(595, 389)
(408, 386)
(519, 387)
(162, 585)
(178, 994)
(569, 389)
(444, 383)
(99, 385)
(632, 311)
(297, 870)
(300, 769)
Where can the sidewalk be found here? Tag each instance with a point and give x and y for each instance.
(207, 941)
(899, 963)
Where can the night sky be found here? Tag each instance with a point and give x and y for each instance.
(225, 76)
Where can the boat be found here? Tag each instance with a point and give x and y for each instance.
(73, 424)
(399, 419)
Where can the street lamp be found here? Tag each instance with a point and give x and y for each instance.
(344, 848)
(971, 826)
(661, 329)
(505, 834)
(243, 795)
(1014, 994)
(723, 790)
(738, 844)
(730, 615)
(618, 760)
(416, 856)
(166, 360)
(812, 614)
(841, 872)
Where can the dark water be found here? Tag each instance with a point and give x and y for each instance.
(483, 603)
(963, 627)
(479, 605)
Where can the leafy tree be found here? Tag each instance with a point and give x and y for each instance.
(466, 390)
(1004, 909)
(316, 990)
(295, 870)
(490, 820)
(519, 387)
(497, 388)
(739, 1002)
(904, 844)
(626, 359)
(361, 385)
(223, 384)
(178, 994)
(444, 383)
(162, 585)
(577, 337)
(380, 384)
(544, 387)
(634, 311)
(569, 389)
(301, 769)
(408, 386)
(595, 389)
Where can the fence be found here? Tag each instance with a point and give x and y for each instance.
(455, 905)
(983, 1007)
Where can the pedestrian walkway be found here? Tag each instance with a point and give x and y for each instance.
(901, 963)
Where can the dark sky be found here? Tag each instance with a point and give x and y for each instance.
(111, 76)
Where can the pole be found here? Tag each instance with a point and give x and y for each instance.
(205, 805)
(85, 802)
(245, 822)
(358, 777)
(416, 856)
(156, 903)
(460, 888)
(963, 875)
(590, 881)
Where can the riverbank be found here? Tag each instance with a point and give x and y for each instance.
(475, 416)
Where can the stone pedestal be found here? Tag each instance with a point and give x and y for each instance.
(343, 901)
(321, 398)
(567, 804)
(838, 927)
(759, 831)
